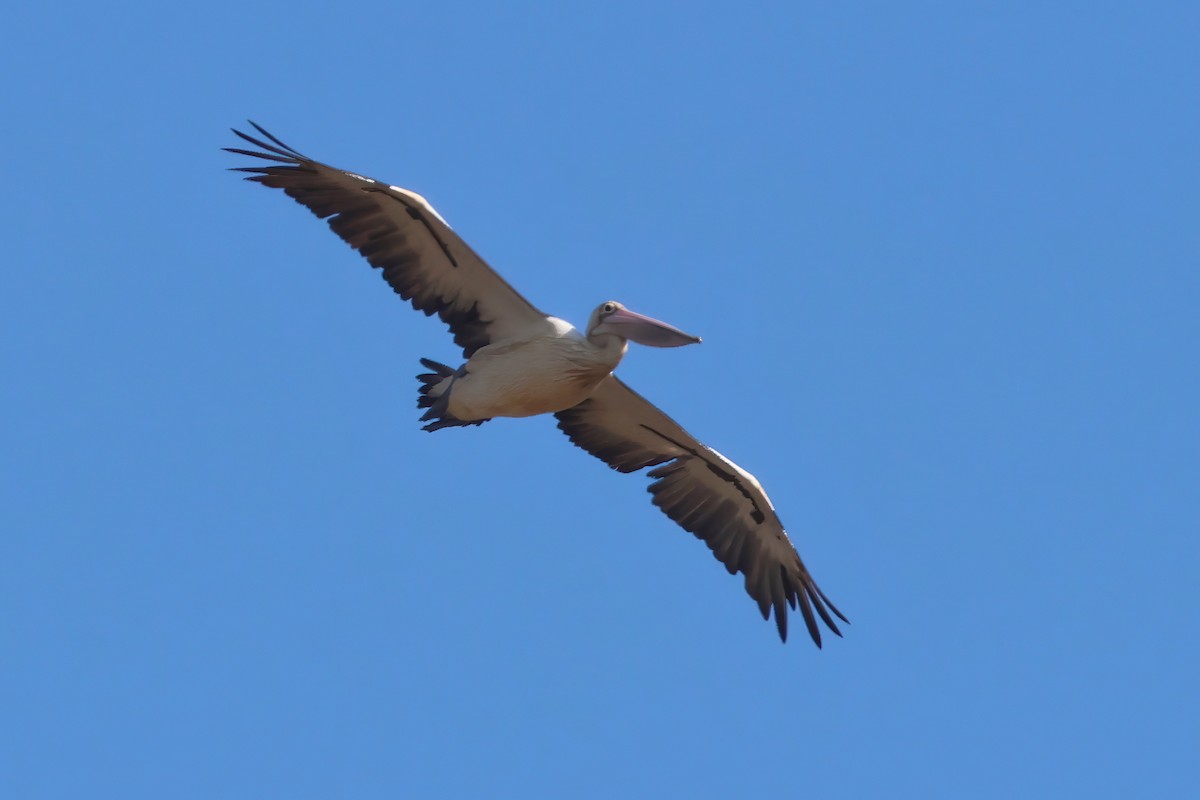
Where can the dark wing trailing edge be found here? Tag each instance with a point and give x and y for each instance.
(707, 494)
(398, 232)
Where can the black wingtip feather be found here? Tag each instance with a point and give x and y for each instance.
(267, 156)
(810, 621)
(825, 616)
(833, 608)
(265, 133)
(282, 149)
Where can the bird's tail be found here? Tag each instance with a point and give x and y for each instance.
(434, 396)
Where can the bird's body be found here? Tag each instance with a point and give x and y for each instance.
(520, 362)
(546, 371)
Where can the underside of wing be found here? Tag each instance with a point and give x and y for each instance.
(708, 495)
(399, 233)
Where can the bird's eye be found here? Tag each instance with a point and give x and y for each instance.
(608, 308)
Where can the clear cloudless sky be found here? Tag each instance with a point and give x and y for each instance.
(944, 257)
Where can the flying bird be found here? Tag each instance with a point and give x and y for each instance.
(520, 362)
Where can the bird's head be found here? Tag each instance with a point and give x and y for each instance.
(613, 319)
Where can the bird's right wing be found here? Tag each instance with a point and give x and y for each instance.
(397, 231)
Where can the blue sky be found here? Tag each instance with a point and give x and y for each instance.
(944, 260)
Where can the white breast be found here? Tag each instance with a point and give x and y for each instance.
(539, 375)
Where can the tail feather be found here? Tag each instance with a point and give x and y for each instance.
(434, 395)
(429, 380)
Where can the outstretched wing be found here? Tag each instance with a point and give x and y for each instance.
(397, 231)
(707, 494)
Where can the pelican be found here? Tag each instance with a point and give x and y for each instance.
(521, 362)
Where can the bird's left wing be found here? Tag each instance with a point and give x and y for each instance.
(707, 494)
(397, 231)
